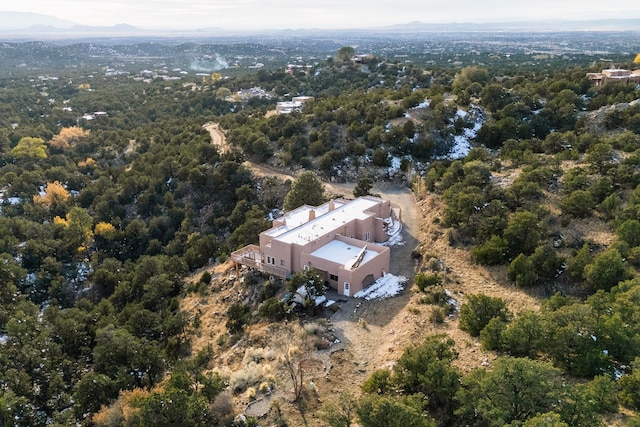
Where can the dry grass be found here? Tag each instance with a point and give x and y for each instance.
(374, 335)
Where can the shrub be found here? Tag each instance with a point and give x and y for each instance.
(379, 382)
(251, 375)
(380, 157)
(608, 268)
(545, 261)
(435, 295)
(629, 232)
(479, 309)
(521, 271)
(424, 281)
(237, 317)
(491, 335)
(577, 204)
(272, 309)
(205, 278)
(438, 315)
(493, 252)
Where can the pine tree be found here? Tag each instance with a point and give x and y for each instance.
(306, 190)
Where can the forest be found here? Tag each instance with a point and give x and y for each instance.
(103, 218)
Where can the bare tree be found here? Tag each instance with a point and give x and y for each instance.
(294, 349)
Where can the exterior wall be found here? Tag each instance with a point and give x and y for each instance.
(354, 232)
(614, 75)
(377, 266)
(365, 226)
(281, 252)
(305, 257)
(355, 277)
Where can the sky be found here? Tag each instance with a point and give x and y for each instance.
(328, 14)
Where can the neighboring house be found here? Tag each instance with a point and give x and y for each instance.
(337, 239)
(614, 75)
(291, 69)
(296, 104)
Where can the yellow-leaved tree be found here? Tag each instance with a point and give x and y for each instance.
(68, 136)
(637, 60)
(89, 162)
(78, 231)
(54, 195)
(105, 230)
(33, 148)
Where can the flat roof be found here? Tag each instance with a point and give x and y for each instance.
(298, 217)
(300, 230)
(343, 253)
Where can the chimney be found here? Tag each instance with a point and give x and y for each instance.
(332, 205)
(312, 214)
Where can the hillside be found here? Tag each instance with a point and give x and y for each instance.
(127, 181)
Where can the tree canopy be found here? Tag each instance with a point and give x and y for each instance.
(307, 189)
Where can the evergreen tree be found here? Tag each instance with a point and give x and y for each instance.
(306, 190)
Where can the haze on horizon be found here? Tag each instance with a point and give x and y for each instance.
(326, 14)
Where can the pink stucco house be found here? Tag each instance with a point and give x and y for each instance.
(338, 239)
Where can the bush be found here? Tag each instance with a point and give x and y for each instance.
(545, 262)
(521, 271)
(608, 268)
(577, 204)
(491, 335)
(435, 295)
(252, 374)
(205, 278)
(424, 281)
(237, 317)
(438, 315)
(493, 252)
(380, 157)
(629, 232)
(479, 309)
(272, 309)
(379, 382)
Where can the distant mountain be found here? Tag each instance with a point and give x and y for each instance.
(27, 26)
(119, 28)
(546, 25)
(24, 24)
(26, 20)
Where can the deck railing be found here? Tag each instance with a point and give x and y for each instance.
(251, 257)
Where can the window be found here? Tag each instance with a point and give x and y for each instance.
(367, 236)
(282, 263)
(273, 261)
(268, 260)
(305, 267)
(333, 277)
(346, 286)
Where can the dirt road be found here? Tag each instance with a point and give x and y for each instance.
(218, 138)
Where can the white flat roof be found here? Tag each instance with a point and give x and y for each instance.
(343, 253)
(297, 217)
(300, 230)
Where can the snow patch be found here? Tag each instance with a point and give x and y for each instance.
(462, 143)
(387, 286)
(395, 165)
(394, 229)
(452, 302)
(461, 147)
(423, 104)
